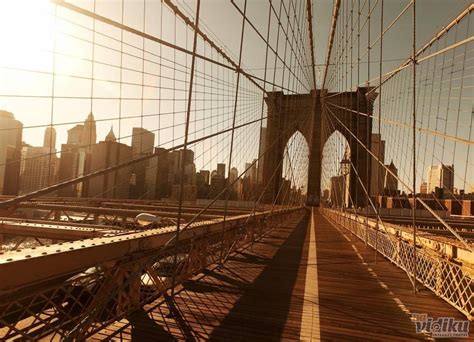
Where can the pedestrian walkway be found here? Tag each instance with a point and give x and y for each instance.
(307, 280)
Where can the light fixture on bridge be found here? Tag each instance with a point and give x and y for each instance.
(144, 219)
(345, 171)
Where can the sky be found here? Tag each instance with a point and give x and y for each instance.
(31, 33)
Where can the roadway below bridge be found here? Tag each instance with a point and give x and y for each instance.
(306, 280)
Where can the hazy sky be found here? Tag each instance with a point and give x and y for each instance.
(29, 34)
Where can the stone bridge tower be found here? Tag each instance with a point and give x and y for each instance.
(317, 115)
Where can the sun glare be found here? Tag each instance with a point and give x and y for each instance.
(26, 33)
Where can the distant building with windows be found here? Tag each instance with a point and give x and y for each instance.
(377, 170)
(143, 142)
(106, 154)
(76, 157)
(10, 153)
(390, 182)
(175, 160)
(424, 188)
(39, 164)
(442, 177)
(37, 170)
(50, 137)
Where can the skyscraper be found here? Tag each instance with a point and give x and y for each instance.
(441, 176)
(143, 142)
(10, 153)
(253, 172)
(424, 188)
(89, 135)
(236, 184)
(50, 138)
(75, 157)
(156, 179)
(189, 176)
(75, 135)
(390, 183)
(206, 176)
(74, 161)
(106, 154)
(110, 137)
(71, 165)
(221, 170)
(38, 168)
(377, 169)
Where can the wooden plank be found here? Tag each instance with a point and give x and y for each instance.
(261, 295)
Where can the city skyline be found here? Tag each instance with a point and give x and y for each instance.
(82, 87)
(85, 152)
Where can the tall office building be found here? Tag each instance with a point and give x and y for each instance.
(424, 188)
(106, 154)
(50, 137)
(38, 168)
(236, 183)
(89, 134)
(233, 175)
(442, 177)
(86, 139)
(176, 158)
(143, 142)
(377, 169)
(73, 162)
(157, 186)
(221, 170)
(202, 184)
(206, 176)
(252, 173)
(390, 183)
(218, 185)
(10, 153)
(71, 165)
(75, 135)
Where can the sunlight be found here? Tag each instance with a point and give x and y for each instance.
(26, 27)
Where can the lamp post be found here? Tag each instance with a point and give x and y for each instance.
(345, 170)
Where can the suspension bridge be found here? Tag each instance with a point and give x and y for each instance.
(236, 170)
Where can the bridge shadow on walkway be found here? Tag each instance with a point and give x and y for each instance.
(263, 295)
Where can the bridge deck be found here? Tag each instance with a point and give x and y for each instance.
(296, 284)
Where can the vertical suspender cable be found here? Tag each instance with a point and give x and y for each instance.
(377, 181)
(414, 147)
(233, 128)
(368, 137)
(185, 146)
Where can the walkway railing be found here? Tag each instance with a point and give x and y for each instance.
(74, 289)
(444, 277)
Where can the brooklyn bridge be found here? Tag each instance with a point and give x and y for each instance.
(236, 170)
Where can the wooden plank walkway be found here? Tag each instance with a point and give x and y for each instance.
(296, 284)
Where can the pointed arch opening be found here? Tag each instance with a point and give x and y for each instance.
(294, 184)
(336, 172)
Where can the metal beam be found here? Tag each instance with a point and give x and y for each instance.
(53, 231)
(29, 266)
(106, 211)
